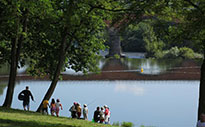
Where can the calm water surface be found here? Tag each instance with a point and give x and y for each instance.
(149, 103)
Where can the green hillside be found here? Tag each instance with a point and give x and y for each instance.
(19, 118)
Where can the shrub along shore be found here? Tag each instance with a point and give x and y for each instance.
(20, 118)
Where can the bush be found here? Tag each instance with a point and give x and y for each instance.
(184, 52)
(199, 56)
(127, 124)
(146, 126)
(174, 52)
(159, 54)
(116, 124)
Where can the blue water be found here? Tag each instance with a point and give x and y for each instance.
(149, 103)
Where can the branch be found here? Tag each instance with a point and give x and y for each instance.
(195, 6)
(71, 39)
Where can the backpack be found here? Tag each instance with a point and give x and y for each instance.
(21, 97)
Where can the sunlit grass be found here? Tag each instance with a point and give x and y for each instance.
(19, 118)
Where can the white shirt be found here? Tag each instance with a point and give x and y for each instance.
(58, 105)
(85, 110)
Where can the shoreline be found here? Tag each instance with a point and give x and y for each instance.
(116, 76)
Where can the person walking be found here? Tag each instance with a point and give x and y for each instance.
(53, 106)
(26, 94)
(58, 106)
(45, 107)
(85, 112)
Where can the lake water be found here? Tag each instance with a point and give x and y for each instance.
(149, 103)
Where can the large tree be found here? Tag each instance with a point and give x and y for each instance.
(73, 40)
(13, 30)
(18, 22)
(52, 35)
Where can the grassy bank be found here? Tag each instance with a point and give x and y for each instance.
(19, 118)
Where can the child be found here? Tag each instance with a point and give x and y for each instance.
(58, 105)
(45, 107)
(53, 106)
(78, 108)
(85, 112)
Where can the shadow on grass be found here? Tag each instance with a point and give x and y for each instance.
(13, 123)
(4, 109)
(10, 110)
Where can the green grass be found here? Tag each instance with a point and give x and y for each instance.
(19, 118)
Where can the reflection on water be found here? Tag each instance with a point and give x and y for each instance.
(150, 66)
(149, 103)
(135, 90)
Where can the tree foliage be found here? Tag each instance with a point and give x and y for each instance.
(14, 24)
(57, 35)
(83, 24)
(78, 42)
(186, 23)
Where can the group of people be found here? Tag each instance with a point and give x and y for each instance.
(102, 115)
(76, 109)
(54, 107)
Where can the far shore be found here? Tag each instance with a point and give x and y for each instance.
(188, 74)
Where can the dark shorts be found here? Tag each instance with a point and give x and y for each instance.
(25, 103)
(45, 109)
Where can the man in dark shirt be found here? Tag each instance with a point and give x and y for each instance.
(97, 114)
(26, 100)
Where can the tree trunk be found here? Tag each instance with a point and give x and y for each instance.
(201, 108)
(61, 59)
(114, 43)
(57, 72)
(15, 56)
(12, 75)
